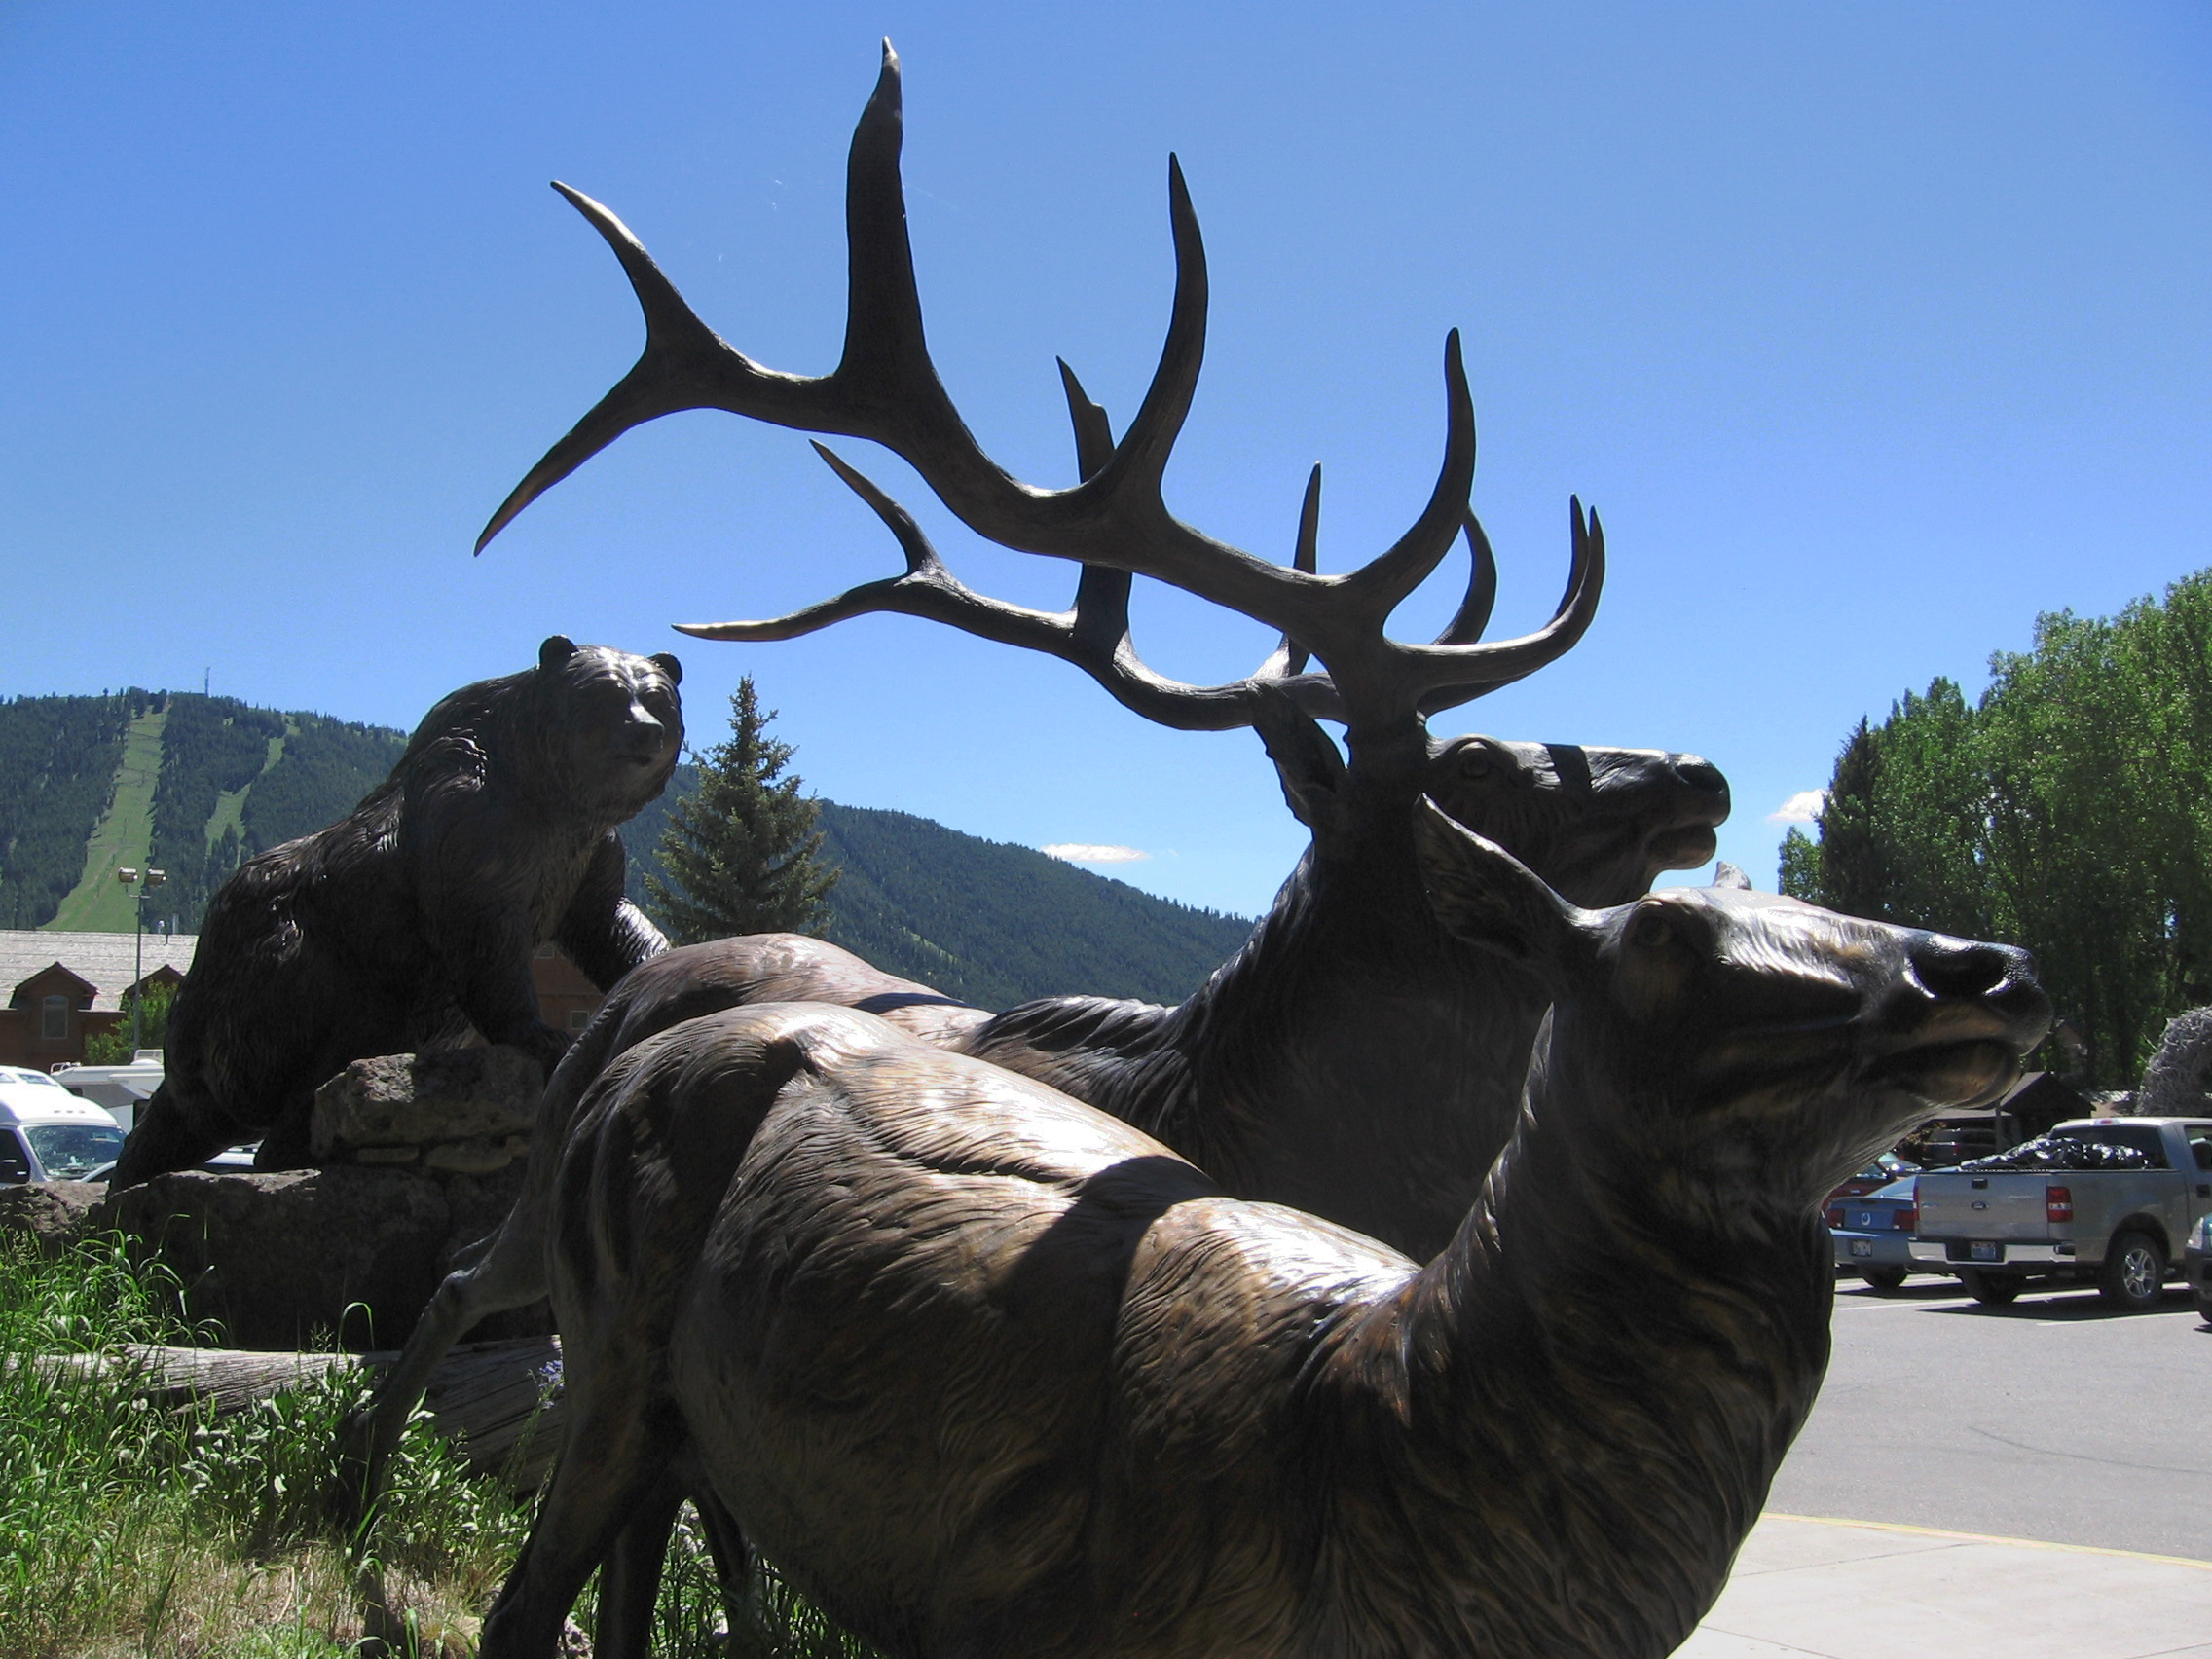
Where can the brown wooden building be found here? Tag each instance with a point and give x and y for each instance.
(64, 987)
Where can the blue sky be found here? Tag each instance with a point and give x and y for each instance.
(1872, 332)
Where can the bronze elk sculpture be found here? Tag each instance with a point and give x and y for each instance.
(1352, 1058)
(1355, 1060)
(986, 1371)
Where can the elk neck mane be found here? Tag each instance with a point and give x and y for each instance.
(1347, 990)
(1640, 1368)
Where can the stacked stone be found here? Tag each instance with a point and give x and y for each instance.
(419, 1155)
(455, 1112)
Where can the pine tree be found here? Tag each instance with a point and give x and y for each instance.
(742, 854)
(1855, 877)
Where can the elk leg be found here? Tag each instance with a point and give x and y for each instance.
(613, 1459)
(504, 1271)
(629, 1583)
(725, 1540)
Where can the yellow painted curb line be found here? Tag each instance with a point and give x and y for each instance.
(1988, 1539)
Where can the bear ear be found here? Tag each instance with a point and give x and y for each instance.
(668, 666)
(555, 651)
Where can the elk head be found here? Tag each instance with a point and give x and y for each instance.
(1114, 523)
(1743, 1047)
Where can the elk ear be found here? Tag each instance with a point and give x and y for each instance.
(1486, 896)
(1312, 771)
(1726, 874)
(555, 651)
(666, 662)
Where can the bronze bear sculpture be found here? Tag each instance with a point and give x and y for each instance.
(414, 918)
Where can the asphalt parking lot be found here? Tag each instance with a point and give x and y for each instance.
(2053, 1419)
(1984, 1482)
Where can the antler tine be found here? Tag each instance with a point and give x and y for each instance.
(671, 373)
(1473, 615)
(1385, 580)
(1101, 593)
(929, 590)
(1454, 672)
(1290, 657)
(1142, 455)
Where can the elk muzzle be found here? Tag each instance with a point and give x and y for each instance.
(1960, 1019)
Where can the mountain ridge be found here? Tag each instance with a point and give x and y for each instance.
(193, 785)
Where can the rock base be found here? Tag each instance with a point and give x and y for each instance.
(420, 1154)
(306, 1258)
(51, 1214)
(452, 1111)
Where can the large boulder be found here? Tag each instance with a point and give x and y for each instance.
(422, 1155)
(459, 1111)
(51, 1214)
(287, 1260)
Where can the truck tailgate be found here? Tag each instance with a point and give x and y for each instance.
(2000, 1205)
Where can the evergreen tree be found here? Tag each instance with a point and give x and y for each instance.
(2068, 809)
(1854, 878)
(1800, 875)
(741, 854)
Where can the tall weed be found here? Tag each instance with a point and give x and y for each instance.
(129, 1529)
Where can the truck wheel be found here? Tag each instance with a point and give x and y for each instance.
(2133, 1278)
(1883, 1279)
(1989, 1289)
(2205, 1305)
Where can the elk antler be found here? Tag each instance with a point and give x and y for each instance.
(1114, 523)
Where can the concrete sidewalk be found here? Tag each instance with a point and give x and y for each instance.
(1806, 1588)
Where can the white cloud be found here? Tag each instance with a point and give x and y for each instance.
(1800, 808)
(1084, 852)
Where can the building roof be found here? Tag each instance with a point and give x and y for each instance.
(105, 960)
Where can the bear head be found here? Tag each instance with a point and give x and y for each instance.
(613, 723)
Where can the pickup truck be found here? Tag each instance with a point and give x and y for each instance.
(1999, 1230)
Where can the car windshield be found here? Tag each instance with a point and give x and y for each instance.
(2141, 1136)
(1895, 1190)
(68, 1150)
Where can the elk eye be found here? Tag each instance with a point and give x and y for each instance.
(1650, 929)
(1477, 763)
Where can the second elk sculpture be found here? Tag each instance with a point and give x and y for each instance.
(1355, 1060)
(985, 1371)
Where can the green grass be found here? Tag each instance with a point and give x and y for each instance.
(230, 804)
(131, 1528)
(124, 838)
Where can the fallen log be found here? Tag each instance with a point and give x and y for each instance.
(499, 1403)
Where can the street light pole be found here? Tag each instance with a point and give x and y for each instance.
(146, 881)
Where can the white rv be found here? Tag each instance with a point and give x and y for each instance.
(123, 1090)
(48, 1133)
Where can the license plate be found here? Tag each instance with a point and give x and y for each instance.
(1862, 1246)
(1985, 1252)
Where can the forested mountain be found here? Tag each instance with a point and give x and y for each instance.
(219, 782)
(193, 785)
(57, 766)
(988, 922)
